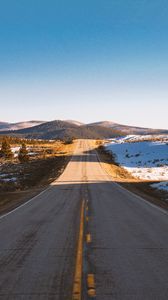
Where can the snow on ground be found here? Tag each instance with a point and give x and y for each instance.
(13, 179)
(139, 138)
(15, 151)
(7, 177)
(161, 185)
(146, 160)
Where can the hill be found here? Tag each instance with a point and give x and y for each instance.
(4, 126)
(63, 130)
(126, 129)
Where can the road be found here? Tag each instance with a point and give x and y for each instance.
(125, 249)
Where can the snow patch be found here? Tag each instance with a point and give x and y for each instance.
(12, 179)
(161, 185)
(144, 159)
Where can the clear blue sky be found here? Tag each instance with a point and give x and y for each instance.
(86, 60)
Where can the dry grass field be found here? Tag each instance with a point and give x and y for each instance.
(21, 181)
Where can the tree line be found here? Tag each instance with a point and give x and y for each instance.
(16, 140)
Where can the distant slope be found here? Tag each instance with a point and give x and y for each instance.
(4, 126)
(108, 124)
(74, 122)
(126, 129)
(20, 125)
(63, 130)
(72, 129)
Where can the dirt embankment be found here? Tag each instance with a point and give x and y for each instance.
(121, 176)
(32, 177)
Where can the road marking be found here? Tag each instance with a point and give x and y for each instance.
(24, 204)
(91, 285)
(77, 286)
(111, 181)
(88, 238)
(42, 192)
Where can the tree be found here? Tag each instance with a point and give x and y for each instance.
(6, 151)
(68, 141)
(23, 154)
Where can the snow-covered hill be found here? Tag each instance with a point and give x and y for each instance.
(145, 158)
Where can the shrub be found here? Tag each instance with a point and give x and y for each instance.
(6, 151)
(23, 154)
(68, 141)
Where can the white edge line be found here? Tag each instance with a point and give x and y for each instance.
(113, 182)
(132, 193)
(21, 205)
(28, 201)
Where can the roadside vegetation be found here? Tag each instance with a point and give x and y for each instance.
(148, 188)
(28, 166)
(6, 152)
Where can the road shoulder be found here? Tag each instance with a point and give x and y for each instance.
(123, 178)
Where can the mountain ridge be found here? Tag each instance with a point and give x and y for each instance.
(59, 129)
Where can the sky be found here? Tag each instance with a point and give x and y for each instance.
(86, 60)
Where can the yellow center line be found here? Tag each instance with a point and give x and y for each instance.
(77, 286)
(88, 238)
(91, 285)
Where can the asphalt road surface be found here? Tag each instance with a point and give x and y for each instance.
(127, 251)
